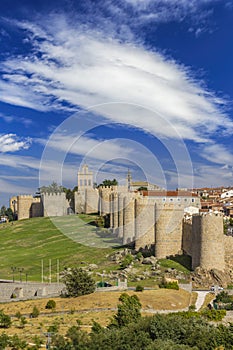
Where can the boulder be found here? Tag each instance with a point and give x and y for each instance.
(150, 260)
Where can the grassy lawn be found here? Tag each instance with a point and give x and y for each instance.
(73, 240)
(178, 265)
(25, 243)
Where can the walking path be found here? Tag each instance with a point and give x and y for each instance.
(200, 299)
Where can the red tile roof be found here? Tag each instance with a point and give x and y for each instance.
(169, 194)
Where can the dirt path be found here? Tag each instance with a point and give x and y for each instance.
(200, 299)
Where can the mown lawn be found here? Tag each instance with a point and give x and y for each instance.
(24, 244)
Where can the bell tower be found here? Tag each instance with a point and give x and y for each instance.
(85, 178)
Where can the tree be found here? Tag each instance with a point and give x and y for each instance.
(78, 282)
(142, 188)
(53, 188)
(106, 182)
(128, 311)
(3, 210)
(9, 213)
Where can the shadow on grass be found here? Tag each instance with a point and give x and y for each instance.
(109, 237)
(184, 260)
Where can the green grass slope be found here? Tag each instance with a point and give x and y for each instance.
(24, 244)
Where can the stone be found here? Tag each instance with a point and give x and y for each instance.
(93, 266)
(149, 261)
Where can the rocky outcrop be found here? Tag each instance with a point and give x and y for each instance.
(205, 279)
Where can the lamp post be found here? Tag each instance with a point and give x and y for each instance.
(13, 269)
(20, 269)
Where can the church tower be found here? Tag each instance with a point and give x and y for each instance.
(85, 178)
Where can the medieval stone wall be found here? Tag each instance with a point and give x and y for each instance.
(91, 201)
(28, 207)
(228, 246)
(145, 212)
(208, 249)
(55, 204)
(168, 240)
(187, 237)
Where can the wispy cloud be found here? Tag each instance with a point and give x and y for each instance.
(216, 153)
(13, 143)
(85, 68)
(15, 119)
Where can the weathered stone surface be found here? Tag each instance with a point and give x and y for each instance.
(150, 260)
(205, 279)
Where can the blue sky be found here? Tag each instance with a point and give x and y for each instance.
(139, 84)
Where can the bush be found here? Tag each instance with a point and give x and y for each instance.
(5, 320)
(51, 304)
(224, 297)
(169, 285)
(53, 328)
(139, 288)
(213, 315)
(23, 321)
(126, 261)
(35, 312)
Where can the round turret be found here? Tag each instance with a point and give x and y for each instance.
(208, 242)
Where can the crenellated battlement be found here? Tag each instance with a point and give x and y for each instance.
(53, 194)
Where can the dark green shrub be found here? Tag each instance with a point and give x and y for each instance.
(169, 285)
(51, 304)
(35, 312)
(213, 315)
(5, 320)
(126, 261)
(224, 297)
(139, 288)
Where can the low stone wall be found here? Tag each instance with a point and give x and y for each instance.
(22, 291)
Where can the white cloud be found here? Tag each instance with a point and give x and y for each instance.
(12, 189)
(13, 143)
(87, 146)
(217, 153)
(15, 119)
(84, 69)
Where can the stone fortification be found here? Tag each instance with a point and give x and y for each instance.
(28, 207)
(86, 201)
(187, 236)
(128, 219)
(145, 213)
(168, 241)
(55, 204)
(228, 246)
(208, 249)
(151, 222)
(147, 219)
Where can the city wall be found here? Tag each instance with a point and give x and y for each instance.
(28, 207)
(55, 204)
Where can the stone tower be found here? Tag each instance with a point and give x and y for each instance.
(85, 178)
(168, 231)
(145, 223)
(208, 242)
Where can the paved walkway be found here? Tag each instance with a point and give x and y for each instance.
(200, 299)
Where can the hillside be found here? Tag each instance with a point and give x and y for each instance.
(25, 243)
